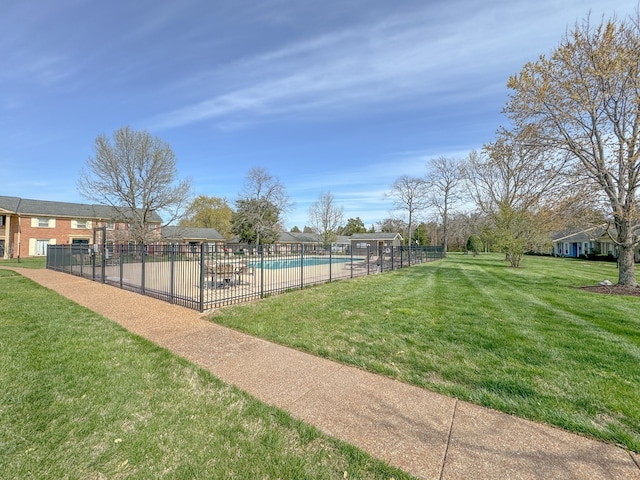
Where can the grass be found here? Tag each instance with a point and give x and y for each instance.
(524, 341)
(29, 262)
(83, 398)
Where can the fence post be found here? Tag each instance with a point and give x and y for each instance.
(121, 262)
(330, 264)
(92, 251)
(392, 257)
(201, 306)
(143, 262)
(103, 262)
(351, 255)
(261, 252)
(368, 258)
(172, 256)
(301, 266)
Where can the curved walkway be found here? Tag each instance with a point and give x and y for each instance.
(425, 434)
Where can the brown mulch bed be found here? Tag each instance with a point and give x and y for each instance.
(613, 290)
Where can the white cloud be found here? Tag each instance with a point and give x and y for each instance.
(401, 59)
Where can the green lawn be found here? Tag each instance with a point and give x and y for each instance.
(30, 262)
(82, 398)
(525, 341)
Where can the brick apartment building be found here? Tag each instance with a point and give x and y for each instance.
(27, 226)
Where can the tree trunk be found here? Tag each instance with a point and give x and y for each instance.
(445, 235)
(626, 263)
(626, 266)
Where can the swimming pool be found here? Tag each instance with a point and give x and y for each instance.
(282, 263)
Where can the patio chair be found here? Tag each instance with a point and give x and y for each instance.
(222, 274)
(363, 264)
(225, 275)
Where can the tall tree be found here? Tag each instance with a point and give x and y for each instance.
(443, 182)
(259, 208)
(325, 218)
(584, 98)
(409, 195)
(209, 212)
(135, 174)
(354, 225)
(255, 221)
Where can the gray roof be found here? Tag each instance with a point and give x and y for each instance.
(579, 234)
(289, 237)
(299, 237)
(10, 204)
(172, 232)
(375, 236)
(27, 206)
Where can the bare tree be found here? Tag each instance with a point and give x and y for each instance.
(513, 182)
(409, 195)
(259, 208)
(393, 225)
(325, 218)
(464, 224)
(443, 181)
(584, 99)
(135, 174)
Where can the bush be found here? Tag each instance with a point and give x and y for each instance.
(474, 244)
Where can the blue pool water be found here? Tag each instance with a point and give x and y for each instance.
(295, 262)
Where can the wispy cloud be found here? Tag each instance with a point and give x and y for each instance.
(404, 59)
(368, 65)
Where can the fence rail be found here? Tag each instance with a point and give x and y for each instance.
(202, 278)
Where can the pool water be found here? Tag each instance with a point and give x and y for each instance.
(295, 262)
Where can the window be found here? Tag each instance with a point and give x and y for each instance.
(110, 225)
(43, 222)
(3, 220)
(81, 224)
(41, 247)
(38, 247)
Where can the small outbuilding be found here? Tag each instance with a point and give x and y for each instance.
(361, 243)
(193, 236)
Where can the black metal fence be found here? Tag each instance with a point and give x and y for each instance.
(201, 277)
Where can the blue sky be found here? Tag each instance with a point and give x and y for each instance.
(333, 96)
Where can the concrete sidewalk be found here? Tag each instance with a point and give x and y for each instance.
(425, 434)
